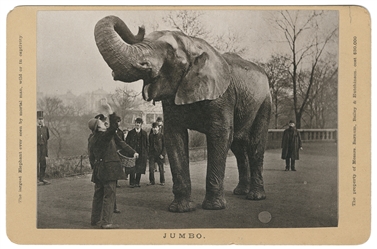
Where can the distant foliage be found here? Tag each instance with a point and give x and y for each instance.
(68, 166)
(196, 139)
(56, 115)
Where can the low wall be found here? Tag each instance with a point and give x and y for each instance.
(67, 166)
(274, 140)
(307, 136)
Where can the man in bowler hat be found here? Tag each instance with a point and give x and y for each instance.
(137, 138)
(42, 147)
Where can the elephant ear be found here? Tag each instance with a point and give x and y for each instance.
(207, 78)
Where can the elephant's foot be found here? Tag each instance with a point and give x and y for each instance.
(214, 203)
(256, 194)
(181, 206)
(241, 190)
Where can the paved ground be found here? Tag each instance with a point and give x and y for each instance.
(305, 198)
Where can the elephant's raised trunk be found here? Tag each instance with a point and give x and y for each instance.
(113, 37)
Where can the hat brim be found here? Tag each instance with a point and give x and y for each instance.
(95, 125)
(101, 117)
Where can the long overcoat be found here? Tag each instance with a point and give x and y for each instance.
(291, 142)
(43, 135)
(103, 154)
(140, 143)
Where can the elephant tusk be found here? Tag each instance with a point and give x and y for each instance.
(145, 92)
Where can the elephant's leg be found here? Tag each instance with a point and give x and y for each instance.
(258, 140)
(256, 188)
(238, 149)
(176, 142)
(218, 144)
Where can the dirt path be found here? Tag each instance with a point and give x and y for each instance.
(305, 198)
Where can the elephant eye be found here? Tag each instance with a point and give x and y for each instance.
(145, 65)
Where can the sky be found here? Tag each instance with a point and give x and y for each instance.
(68, 58)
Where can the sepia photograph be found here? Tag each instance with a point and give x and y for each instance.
(179, 121)
(242, 127)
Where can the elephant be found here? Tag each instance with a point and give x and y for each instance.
(221, 95)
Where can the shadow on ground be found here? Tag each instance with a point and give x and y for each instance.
(305, 198)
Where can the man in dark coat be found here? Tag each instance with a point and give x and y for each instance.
(156, 154)
(291, 144)
(104, 120)
(120, 132)
(137, 138)
(161, 130)
(107, 168)
(42, 147)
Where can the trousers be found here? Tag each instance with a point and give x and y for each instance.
(103, 202)
(152, 161)
(41, 161)
(135, 178)
(289, 163)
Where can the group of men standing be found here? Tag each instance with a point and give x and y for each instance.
(107, 140)
(150, 148)
(104, 144)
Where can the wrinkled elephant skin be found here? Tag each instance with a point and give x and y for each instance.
(221, 95)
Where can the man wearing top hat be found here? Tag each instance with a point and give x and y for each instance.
(291, 144)
(42, 147)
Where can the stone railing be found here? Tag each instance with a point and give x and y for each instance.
(307, 135)
(274, 140)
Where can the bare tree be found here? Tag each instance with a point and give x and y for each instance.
(79, 106)
(306, 45)
(56, 118)
(188, 22)
(123, 100)
(277, 70)
(229, 42)
(323, 96)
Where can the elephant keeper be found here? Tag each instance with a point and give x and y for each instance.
(107, 167)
